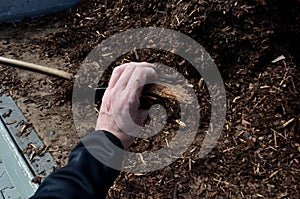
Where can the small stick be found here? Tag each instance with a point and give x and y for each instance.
(40, 68)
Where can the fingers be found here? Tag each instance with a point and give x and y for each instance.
(143, 73)
(132, 76)
(125, 77)
(117, 83)
(117, 72)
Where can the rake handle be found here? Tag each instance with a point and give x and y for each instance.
(36, 67)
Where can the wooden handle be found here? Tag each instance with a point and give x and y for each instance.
(37, 67)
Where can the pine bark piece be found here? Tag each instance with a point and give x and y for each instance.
(156, 93)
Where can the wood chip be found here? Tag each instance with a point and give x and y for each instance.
(7, 113)
(273, 174)
(281, 57)
(288, 122)
(11, 122)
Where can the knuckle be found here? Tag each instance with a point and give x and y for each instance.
(145, 63)
(118, 70)
(151, 73)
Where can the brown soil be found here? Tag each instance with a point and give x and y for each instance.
(258, 154)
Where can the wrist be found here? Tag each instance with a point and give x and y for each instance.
(125, 139)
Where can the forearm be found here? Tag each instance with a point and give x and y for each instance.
(84, 176)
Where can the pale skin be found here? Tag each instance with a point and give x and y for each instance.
(120, 113)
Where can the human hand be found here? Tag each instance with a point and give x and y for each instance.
(120, 112)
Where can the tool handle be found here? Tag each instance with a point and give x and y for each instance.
(36, 67)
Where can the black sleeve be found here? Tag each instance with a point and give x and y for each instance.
(84, 176)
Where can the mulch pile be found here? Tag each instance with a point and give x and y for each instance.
(258, 154)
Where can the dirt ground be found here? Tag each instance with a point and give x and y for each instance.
(258, 154)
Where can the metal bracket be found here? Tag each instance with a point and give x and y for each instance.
(22, 154)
